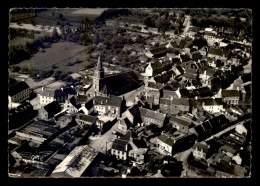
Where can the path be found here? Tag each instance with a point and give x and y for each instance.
(187, 25)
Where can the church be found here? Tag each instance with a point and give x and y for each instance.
(115, 84)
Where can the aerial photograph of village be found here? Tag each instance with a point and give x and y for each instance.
(129, 93)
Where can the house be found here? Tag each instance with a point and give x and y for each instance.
(224, 43)
(159, 52)
(153, 30)
(213, 105)
(165, 144)
(153, 91)
(49, 110)
(195, 107)
(19, 92)
(199, 150)
(83, 119)
(152, 117)
(133, 114)
(138, 151)
(171, 145)
(20, 115)
(203, 51)
(60, 95)
(72, 104)
(87, 108)
(210, 127)
(181, 104)
(181, 124)
(120, 149)
(228, 150)
(217, 53)
(230, 97)
(108, 106)
(170, 33)
(206, 75)
(124, 125)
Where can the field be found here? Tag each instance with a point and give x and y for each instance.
(20, 41)
(59, 54)
(50, 16)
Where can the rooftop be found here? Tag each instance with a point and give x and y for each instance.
(152, 114)
(76, 162)
(17, 88)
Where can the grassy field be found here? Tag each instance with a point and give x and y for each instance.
(20, 41)
(59, 54)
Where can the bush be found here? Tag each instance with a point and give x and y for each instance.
(16, 69)
(70, 64)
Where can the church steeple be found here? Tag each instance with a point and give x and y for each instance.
(99, 71)
(98, 76)
(99, 64)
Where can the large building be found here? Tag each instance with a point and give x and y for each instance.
(19, 92)
(115, 84)
(108, 106)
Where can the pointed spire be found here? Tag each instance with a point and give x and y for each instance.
(99, 64)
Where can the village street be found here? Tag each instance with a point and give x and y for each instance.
(130, 96)
(100, 142)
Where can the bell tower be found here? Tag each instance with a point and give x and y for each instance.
(98, 76)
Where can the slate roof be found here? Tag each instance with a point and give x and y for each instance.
(169, 94)
(155, 85)
(189, 76)
(112, 100)
(180, 69)
(119, 145)
(230, 93)
(181, 101)
(74, 102)
(218, 52)
(89, 104)
(134, 110)
(201, 146)
(205, 91)
(119, 84)
(210, 101)
(165, 101)
(126, 122)
(140, 143)
(210, 72)
(180, 121)
(246, 77)
(48, 93)
(87, 118)
(166, 140)
(17, 88)
(152, 114)
(52, 108)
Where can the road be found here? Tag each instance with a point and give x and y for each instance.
(100, 143)
(226, 130)
(186, 24)
(130, 96)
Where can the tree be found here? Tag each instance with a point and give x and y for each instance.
(61, 16)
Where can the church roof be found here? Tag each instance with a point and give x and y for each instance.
(120, 83)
